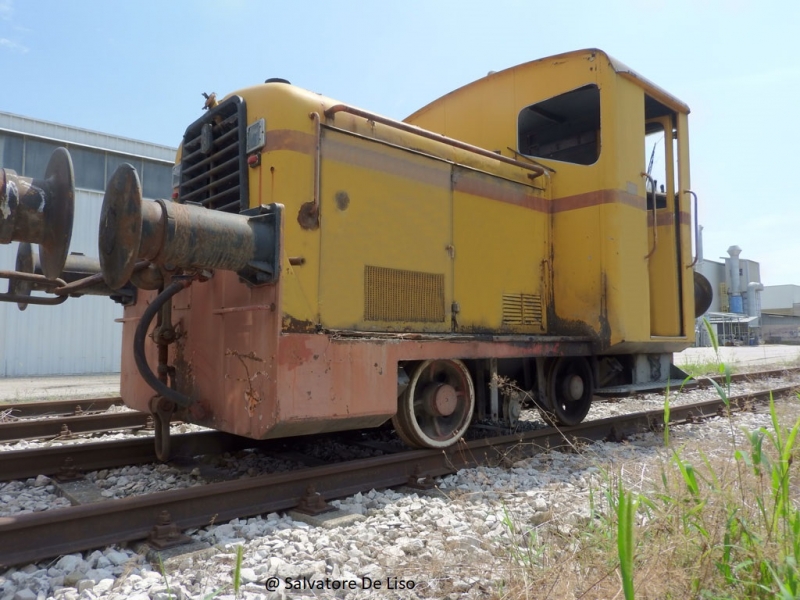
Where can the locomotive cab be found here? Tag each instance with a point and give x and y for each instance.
(611, 141)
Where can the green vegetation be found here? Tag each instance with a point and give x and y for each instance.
(236, 576)
(700, 368)
(237, 570)
(721, 522)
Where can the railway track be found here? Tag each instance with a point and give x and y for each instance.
(67, 427)
(705, 381)
(741, 377)
(64, 419)
(32, 537)
(751, 376)
(49, 408)
(88, 456)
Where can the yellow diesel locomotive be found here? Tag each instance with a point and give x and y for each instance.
(323, 268)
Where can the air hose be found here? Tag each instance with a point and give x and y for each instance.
(141, 335)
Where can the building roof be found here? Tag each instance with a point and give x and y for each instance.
(725, 317)
(84, 137)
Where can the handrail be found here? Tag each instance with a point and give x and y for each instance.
(655, 220)
(432, 136)
(696, 230)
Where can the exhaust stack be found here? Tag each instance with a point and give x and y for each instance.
(736, 293)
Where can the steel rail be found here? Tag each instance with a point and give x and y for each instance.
(59, 407)
(36, 536)
(33, 429)
(753, 375)
(22, 464)
(704, 381)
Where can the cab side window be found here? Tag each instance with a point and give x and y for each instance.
(565, 127)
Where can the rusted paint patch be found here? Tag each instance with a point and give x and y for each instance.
(308, 215)
(342, 200)
(323, 384)
(184, 376)
(292, 325)
(605, 325)
(570, 327)
(290, 139)
(251, 396)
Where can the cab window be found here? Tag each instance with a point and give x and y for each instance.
(565, 127)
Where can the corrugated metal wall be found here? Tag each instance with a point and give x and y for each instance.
(79, 336)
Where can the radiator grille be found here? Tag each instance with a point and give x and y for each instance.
(522, 309)
(396, 295)
(214, 161)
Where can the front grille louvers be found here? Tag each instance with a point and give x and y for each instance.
(214, 161)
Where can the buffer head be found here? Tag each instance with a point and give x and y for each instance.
(59, 211)
(120, 226)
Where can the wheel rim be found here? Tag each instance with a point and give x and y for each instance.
(436, 408)
(571, 389)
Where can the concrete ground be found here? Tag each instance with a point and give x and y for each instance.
(745, 358)
(58, 388)
(12, 390)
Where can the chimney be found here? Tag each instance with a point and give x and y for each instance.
(735, 291)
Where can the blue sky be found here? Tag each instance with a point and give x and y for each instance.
(137, 69)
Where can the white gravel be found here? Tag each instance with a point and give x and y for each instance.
(453, 543)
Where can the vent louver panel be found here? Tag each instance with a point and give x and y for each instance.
(214, 161)
(522, 309)
(396, 295)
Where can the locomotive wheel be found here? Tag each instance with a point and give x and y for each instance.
(571, 387)
(436, 408)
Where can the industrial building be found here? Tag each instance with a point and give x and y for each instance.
(735, 311)
(780, 314)
(79, 336)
